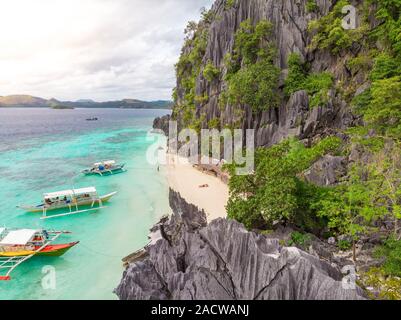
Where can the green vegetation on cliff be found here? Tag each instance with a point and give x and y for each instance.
(252, 77)
(297, 74)
(188, 69)
(329, 33)
(316, 84)
(275, 192)
(210, 72)
(312, 6)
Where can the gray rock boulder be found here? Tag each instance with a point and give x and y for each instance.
(327, 171)
(162, 123)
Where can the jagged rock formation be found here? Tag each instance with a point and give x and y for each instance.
(327, 171)
(193, 260)
(162, 123)
(293, 117)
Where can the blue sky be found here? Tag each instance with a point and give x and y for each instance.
(92, 49)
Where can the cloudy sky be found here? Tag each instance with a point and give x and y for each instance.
(92, 49)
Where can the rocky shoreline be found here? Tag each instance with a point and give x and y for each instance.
(193, 260)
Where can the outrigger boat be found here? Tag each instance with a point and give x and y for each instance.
(20, 245)
(105, 168)
(76, 201)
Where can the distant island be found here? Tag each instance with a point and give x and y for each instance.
(59, 106)
(27, 101)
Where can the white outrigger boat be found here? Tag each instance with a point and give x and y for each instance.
(105, 168)
(20, 245)
(76, 201)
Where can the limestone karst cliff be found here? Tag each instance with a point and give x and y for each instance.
(293, 115)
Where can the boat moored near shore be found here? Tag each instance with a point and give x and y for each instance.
(105, 168)
(75, 201)
(20, 245)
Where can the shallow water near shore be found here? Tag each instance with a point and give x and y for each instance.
(43, 150)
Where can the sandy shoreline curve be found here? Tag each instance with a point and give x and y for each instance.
(182, 177)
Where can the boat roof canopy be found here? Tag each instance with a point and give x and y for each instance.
(108, 162)
(69, 193)
(18, 237)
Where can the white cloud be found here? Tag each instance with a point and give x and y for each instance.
(98, 49)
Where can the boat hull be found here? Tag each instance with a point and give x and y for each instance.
(55, 250)
(115, 170)
(35, 209)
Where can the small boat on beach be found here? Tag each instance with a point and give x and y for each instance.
(92, 119)
(105, 168)
(76, 201)
(20, 245)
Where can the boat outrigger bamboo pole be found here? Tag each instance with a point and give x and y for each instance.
(70, 213)
(13, 262)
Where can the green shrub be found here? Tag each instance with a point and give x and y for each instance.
(361, 102)
(388, 32)
(391, 251)
(318, 85)
(299, 239)
(362, 62)
(214, 123)
(266, 232)
(274, 191)
(371, 191)
(312, 6)
(296, 75)
(349, 207)
(329, 33)
(331, 204)
(255, 85)
(385, 67)
(252, 77)
(383, 111)
(360, 137)
(379, 105)
(344, 245)
(210, 72)
(252, 42)
(207, 15)
(201, 99)
(229, 4)
(389, 287)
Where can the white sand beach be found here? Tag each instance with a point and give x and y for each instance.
(185, 179)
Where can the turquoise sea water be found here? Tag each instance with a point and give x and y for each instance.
(43, 150)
